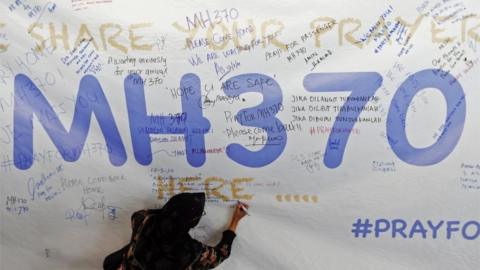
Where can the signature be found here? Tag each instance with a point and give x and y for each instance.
(89, 204)
(78, 214)
(41, 188)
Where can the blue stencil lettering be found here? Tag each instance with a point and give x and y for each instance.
(260, 116)
(29, 100)
(193, 126)
(363, 86)
(454, 122)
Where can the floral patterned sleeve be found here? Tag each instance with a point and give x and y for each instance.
(211, 257)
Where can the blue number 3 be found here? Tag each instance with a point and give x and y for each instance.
(261, 116)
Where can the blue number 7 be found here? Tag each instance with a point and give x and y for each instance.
(363, 86)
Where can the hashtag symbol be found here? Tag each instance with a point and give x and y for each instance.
(362, 228)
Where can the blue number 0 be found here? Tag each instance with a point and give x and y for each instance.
(452, 129)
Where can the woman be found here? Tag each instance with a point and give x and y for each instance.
(160, 238)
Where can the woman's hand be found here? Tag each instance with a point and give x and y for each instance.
(240, 212)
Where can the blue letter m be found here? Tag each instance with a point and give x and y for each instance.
(29, 100)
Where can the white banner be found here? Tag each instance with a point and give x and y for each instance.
(350, 128)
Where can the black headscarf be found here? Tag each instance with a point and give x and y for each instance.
(184, 210)
(162, 241)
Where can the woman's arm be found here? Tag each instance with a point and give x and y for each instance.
(211, 257)
(237, 216)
